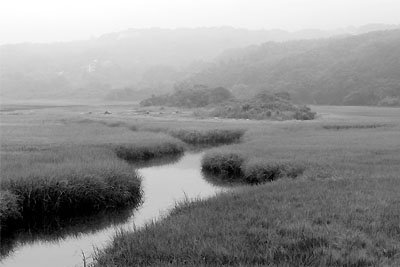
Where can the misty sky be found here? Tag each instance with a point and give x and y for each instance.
(55, 20)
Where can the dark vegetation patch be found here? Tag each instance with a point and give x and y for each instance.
(233, 167)
(208, 137)
(227, 166)
(221, 103)
(9, 209)
(260, 171)
(192, 97)
(264, 106)
(353, 126)
(66, 194)
(110, 123)
(137, 152)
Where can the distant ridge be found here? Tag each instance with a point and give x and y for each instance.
(350, 70)
(145, 60)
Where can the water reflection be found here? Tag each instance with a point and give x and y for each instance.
(158, 161)
(163, 186)
(55, 229)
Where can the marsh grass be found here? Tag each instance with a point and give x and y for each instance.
(73, 193)
(137, 152)
(110, 123)
(343, 212)
(258, 171)
(234, 167)
(9, 209)
(208, 137)
(67, 181)
(227, 166)
(353, 126)
(286, 223)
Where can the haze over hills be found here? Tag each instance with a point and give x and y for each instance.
(150, 61)
(356, 70)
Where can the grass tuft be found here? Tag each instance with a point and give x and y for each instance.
(227, 166)
(234, 167)
(137, 152)
(74, 193)
(210, 137)
(9, 209)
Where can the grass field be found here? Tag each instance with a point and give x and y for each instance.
(55, 162)
(340, 209)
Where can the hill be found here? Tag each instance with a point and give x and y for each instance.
(355, 70)
(118, 64)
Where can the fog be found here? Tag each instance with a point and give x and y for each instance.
(130, 50)
(49, 20)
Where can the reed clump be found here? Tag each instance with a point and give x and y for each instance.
(258, 171)
(73, 193)
(9, 209)
(227, 166)
(235, 167)
(137, 152)
(208, 137)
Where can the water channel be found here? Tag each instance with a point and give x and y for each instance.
(64, 244)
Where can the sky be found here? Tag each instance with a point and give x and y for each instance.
(66, 20)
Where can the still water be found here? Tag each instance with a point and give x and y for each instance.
(64, 244)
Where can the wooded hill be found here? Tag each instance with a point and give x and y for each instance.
(356, 70)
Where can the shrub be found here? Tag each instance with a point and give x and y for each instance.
(146, 152)
(216, 136)
(264, 106)
(224, 165)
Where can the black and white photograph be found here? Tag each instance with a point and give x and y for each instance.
(199, 133)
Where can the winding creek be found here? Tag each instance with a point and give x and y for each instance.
(163, 186)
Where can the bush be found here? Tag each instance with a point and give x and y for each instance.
(217, 136)
(224, 165)
(147, 152)
(264, 106)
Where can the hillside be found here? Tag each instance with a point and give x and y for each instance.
(133, 63)
(356, 70)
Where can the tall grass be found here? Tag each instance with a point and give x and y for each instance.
(350, 222)
(74, 193)
(227, 166)
(137, 152)
(9, 209)
(68, 182)
(234, 167)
